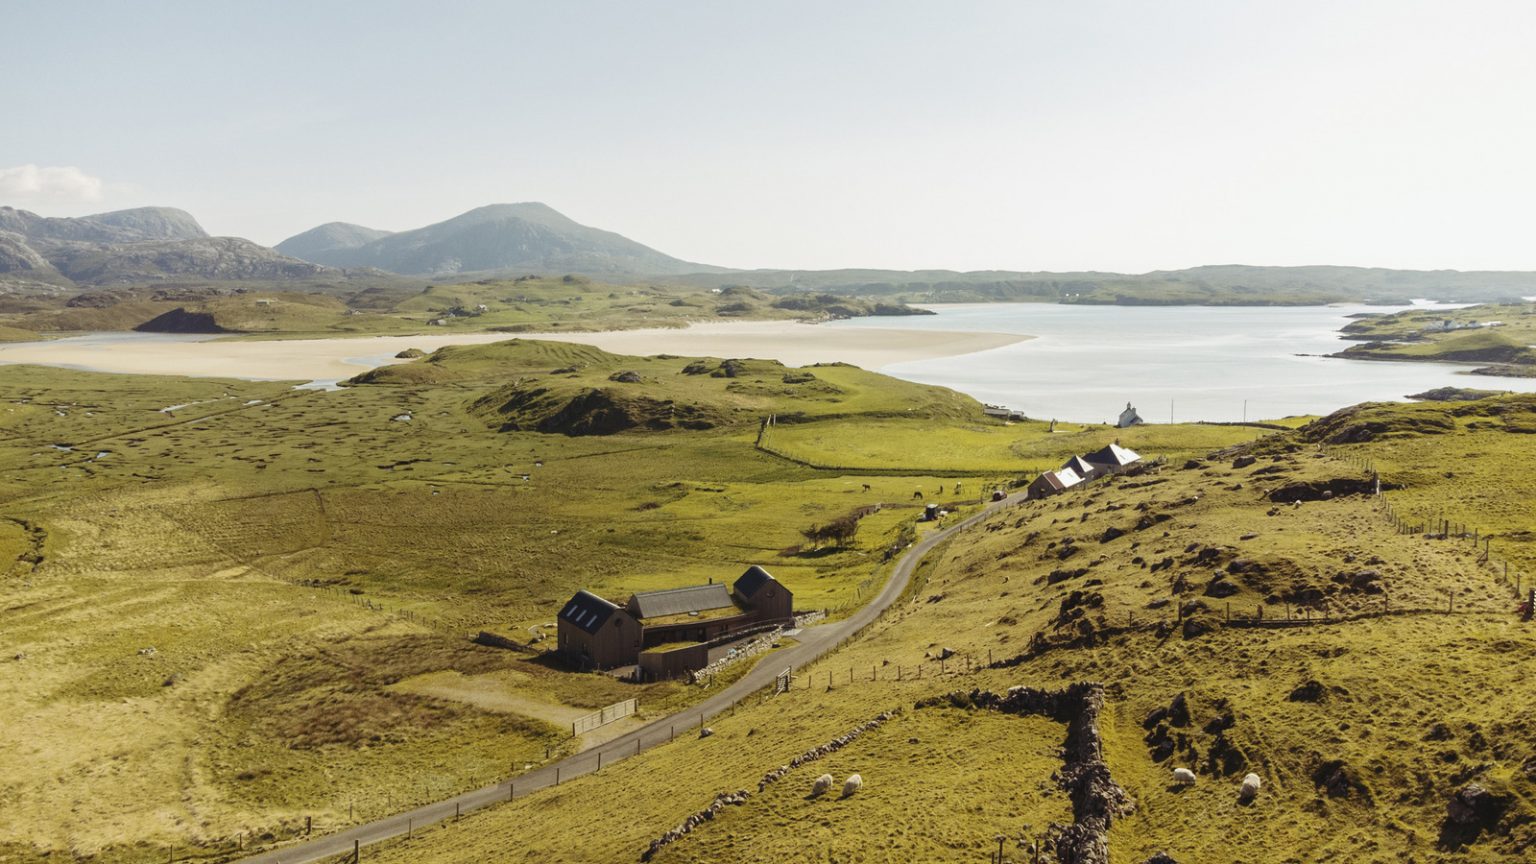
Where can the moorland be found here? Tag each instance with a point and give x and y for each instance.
(237, 611)
(235, 605)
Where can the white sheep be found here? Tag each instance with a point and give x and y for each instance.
(1250, 787)
(822, 784)
(1183, 776)
(853, 784)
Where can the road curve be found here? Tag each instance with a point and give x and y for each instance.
(813, 642)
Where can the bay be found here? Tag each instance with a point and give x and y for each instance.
(1180, 363)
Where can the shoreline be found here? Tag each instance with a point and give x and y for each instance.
(793, 343)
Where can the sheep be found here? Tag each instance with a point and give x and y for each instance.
(1183, 776)
(1250, 787)
(822, 784)
(853, 784)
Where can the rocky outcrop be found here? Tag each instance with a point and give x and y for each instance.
(1471, 811)
(596, 411)
(1323, 490)
(180, 320)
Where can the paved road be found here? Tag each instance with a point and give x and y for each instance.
(813, 643)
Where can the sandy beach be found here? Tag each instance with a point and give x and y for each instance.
(793, 343)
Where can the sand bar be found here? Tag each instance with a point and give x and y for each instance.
(791, 342)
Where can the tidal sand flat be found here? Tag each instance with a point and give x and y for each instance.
(793, 343)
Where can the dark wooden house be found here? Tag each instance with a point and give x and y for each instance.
(595, 633)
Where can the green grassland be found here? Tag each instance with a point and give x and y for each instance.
(989, 447)
(1361, 727)
(1501, 350)
(524, 304)
(255, 608)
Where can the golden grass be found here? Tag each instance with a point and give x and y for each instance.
(1397, 710)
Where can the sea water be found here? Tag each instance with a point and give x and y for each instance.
(1172, 362)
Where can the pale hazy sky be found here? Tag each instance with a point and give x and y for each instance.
(969, 135)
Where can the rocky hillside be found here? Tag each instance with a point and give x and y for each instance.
(527, 237)
(146, 244)
(120, 226)
(219, 258)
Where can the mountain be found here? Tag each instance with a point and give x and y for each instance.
(332, 237)
(120, 226)
(145, 244)
(527, 237)
(215, 258)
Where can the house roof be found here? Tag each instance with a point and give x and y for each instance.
(588, 611)
(752, 581)
(1078, 466)
(677, 601)
(1113, 454)
(1066, 478)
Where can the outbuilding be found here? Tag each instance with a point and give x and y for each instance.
(1052, 482)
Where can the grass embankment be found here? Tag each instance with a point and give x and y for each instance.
(1361, 728)
(1423, 335)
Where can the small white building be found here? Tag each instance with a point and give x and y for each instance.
(1129, 417)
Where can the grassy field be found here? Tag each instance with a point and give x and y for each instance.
(1361, 727)
(231, 606)
(988, 447)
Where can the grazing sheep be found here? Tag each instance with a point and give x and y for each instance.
(853, 784)
(1183, 776)
(822, 784)
(1250, 787)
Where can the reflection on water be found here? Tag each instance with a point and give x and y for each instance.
(1183, 362)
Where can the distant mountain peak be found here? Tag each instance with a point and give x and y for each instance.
(527, 236)
(322, 240)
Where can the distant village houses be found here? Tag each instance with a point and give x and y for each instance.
(670, 632)
(1445, 325)
(1110, 459)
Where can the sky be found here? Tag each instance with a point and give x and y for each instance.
(1086, 135)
